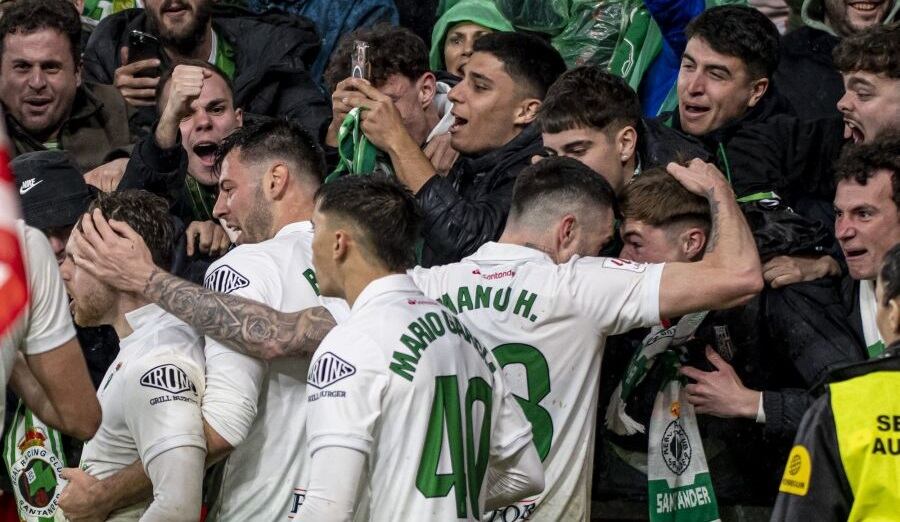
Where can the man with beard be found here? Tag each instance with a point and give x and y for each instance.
(46, 103)
(264, 56)
(807, 75)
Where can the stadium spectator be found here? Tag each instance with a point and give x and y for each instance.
(398, 68)
(806, 73)
(47, 105)
(265, 56)
(197, 112)
(594, 117)
(455, 32)
(493, 109)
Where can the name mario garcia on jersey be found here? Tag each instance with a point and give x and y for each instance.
(418, 335)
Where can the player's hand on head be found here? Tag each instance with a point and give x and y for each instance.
(112, 251)
(699, 177)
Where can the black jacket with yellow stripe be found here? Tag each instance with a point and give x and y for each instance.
(845, 464)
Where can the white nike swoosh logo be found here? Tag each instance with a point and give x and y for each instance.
(23, 189)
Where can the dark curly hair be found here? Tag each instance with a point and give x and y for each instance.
(28, 16)
(742, 32)
(890, 275)
(529, 60)
(392, 50)
(862, 161)
(147, 214)
(588, 96)
(272, 139)
(875, 50)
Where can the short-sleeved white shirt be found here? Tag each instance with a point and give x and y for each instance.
(547, 325)
(264, 476)
(403, 382)
(46, 323)
(149, 397)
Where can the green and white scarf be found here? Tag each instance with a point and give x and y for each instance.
(357, 154)
(34, 457)
(678, 480)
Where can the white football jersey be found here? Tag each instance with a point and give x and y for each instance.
(149, 397)
(46, 323)
(405, 383)
(547, 325)
(264, 476)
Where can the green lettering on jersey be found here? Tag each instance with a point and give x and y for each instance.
(445, 299)
(404, 365)
(501, 299)
(482, 297)
(310, 277)
(524, 303)
(464, 299)
(421, 334)
(434, 323)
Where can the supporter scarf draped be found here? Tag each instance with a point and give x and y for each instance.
(34, 457)
(679, 485)
(357, 154)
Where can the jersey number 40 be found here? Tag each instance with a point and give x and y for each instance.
(467, 465)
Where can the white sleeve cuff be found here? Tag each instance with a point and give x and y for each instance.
(760, 411)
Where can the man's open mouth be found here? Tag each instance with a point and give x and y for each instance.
(864, 7)
(853, 132)
(855, 253)
(695, 110)
(206, 151)
(458, 123)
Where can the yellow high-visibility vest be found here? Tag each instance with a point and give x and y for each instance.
(867, 421)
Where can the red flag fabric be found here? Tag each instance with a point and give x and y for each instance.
(13, 283)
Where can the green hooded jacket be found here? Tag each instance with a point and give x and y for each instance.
(481, 12)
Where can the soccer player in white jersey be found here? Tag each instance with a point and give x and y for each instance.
(545, 310)
(150, 395)
(404, 403)
(52, 378)
(254, 410)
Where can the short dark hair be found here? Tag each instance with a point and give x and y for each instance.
(147, 214)
(29, 16)
(559, 183)
(530, 61)
(875, 50)
(890, 275)
(392, 50)
(860, 162)
(742, 32)
(275, 138)
(166, 76)
(659, 200)
(588, 96)
(384, 210)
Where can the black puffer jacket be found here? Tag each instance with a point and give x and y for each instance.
(272, 53)
(806, 74)
(468, 207)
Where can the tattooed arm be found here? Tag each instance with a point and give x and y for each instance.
(114, 253)
(245, 325)
(729, 273)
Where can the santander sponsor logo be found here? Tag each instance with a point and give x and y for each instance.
(496, 275)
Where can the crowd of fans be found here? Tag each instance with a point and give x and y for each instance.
(657, 240)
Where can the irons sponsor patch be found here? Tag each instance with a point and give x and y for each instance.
(329, 369)
(168, 377)
(225, 279)
(624, 264)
